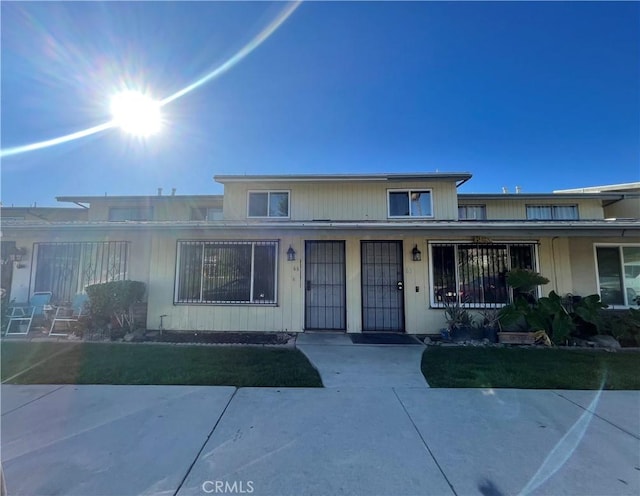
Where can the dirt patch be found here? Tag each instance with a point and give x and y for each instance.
(204, 337)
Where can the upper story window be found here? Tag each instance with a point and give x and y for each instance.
(472, 212)
(410, 203)
(552, 212)
(206, 213)
(268, 204)
(130, 213)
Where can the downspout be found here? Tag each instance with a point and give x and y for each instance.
(553, 259)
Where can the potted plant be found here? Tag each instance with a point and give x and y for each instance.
(459, 321)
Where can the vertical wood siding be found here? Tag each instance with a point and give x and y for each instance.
(350, 201)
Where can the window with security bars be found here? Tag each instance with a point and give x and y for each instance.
(226, 272)
(475, 274)
(66, 269)
(552, 212)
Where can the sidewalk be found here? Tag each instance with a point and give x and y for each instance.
(130, 440)
(344, 364)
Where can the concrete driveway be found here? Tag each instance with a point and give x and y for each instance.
(129, 440)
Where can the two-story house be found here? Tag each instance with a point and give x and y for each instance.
(354, 253)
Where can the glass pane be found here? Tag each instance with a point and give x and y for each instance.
(482, 270)
(472, 212)
(631, 257)
(279, 205)
(540, 212)
(420, 203)
(227, 273)
(264, 273)
(562, 212)
(398, 204)
(258, 204)
(444, 273)
(190, 272)
(610, 275)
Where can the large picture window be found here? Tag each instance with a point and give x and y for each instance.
(475, 274)
(409, 203)
(66, 269)
(226, 272)
(619, 274)
(268, 204)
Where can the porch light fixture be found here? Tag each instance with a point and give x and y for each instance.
(416, 255)
(291, 254)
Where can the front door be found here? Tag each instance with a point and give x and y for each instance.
(325, 290)
(382, 286)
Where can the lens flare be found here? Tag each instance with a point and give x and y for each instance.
(136, 113)
(143, 117)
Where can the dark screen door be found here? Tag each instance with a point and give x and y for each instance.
(382, 286)
(325, 290)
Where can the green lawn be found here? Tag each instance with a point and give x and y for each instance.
(530, 368)
(98, 363)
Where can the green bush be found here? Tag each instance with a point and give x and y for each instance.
(624, 325)
(113, 301)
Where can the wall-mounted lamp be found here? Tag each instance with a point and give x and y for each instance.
(416, 255)
(291, 254)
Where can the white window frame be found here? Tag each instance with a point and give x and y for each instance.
(269, 193)
(435, 304)
(252, 301)
(408, 191)
(553, 208)
(477, 205)
(620, 247)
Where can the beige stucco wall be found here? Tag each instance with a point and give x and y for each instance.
(355, 201)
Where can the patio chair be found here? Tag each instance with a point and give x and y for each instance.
(27, 313)
(69, 314)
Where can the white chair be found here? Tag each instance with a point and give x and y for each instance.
(69, 314)
(27, 313)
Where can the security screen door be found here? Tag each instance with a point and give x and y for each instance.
(382, 286)
(325, 293)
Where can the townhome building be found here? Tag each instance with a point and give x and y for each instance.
(351, 253)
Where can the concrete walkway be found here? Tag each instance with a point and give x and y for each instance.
(182, 440)
(344, 364)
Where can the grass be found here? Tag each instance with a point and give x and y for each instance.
(98, 363)
(530, 368)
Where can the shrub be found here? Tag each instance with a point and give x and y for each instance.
(114, 301)
(624, 325)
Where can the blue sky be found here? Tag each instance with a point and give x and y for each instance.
(543, 95)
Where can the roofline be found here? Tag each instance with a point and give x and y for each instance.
(597, 189)
(89, 199)
(540, 196)
(430, 176)
(477, 227)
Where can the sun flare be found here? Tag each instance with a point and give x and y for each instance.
(136, 113)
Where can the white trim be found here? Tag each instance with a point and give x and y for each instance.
(409, 191)
(269, 192)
